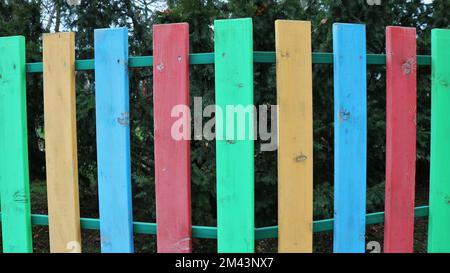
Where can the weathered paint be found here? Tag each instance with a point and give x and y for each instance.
(295, 135)
(14, 180)
(112, 108)
(172, 152)
(234, 157)
(400, 139)
(61, 142)
(350, 133)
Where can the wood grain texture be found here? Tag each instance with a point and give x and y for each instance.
(400, 139)
(439, 217)
(172, 152)
(295, 135)
(350, 137)
(14, 178)
(234, 156)
(113, 139)
(61, 142)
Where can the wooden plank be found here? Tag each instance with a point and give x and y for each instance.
(172, 155)
(61, 142)
(113, 139)
(439, 219)
(172, 152)
(14, 178)
(295, 135)
(350, 132)
(233, 42)
(400, 139)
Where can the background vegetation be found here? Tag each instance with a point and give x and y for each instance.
(31, 18)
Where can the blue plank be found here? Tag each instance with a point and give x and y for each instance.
(350, 137)
(113, 139)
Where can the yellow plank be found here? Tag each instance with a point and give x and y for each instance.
(295, 135)
(61, 142)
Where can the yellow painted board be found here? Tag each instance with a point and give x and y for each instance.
(61, 142)
(295, 135)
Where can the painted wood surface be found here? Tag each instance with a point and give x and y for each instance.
(61, 142)
(295, 135)
(14, 178)
(234, 156)
(350, 133)
(400, 139)
(439, 218)
(112, 108)
(172, 144)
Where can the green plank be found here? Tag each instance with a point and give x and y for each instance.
(208, 58)
(439, 219)
(14, 181)
(234, 156)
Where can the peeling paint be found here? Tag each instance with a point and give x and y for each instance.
(160, 66)
(301, 158)
(124, 119)
(182, 245)
(408, 66)
(344, 115)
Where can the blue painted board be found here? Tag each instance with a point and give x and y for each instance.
(113, 139)
(350, 137)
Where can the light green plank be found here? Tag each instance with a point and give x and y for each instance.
(14, 181)
(439, 219)
(234, 157)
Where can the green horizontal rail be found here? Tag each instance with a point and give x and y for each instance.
(211, 232)
(208, 58)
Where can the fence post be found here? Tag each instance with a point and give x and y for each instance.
(14, 178)
(295, 135)
(61, 142)
(172, 137)
(439, 217)
(112, 109)
(233, 55)
(350, 132)
(400, 139)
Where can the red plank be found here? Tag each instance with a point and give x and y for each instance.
(172, 155)
(400, 138)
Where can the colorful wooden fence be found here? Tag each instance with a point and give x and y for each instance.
(233, 58)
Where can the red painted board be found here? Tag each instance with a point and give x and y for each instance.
(172, 152)
(400, 138)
